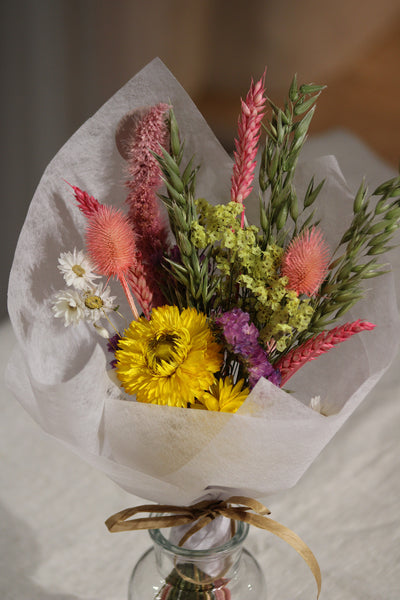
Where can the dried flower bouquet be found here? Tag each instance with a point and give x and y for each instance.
(231, 285)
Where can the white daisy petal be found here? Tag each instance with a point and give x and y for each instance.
(101, 331)
(68, 304)
(76, 269)
(315, 403)
(98, 302)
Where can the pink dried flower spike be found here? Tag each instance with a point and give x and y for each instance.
(314, 347)
(150, 134)
(138, 282)
(305, 262)
(246, 143)
(111, 246)
(87, 204)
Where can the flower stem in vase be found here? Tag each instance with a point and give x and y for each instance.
(189, 582)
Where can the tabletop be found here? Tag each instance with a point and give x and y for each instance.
(54, 544)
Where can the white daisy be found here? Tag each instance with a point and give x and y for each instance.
(76, 269)
(97, 303)
(69, 305)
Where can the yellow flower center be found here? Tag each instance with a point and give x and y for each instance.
(93, 302)
(164, 346)
(78, 270)
(166, 351)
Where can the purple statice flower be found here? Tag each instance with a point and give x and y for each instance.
(259, 366)
(238, 331)
(242, 335)
(112, 346)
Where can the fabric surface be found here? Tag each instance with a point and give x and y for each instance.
(54, 544)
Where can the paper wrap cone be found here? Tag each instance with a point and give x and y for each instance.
(161, 453)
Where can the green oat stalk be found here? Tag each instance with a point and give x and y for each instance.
(286, 133)
(368, 236)
(189, 284)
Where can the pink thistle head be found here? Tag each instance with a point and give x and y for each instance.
(110, 242)
(305, 262)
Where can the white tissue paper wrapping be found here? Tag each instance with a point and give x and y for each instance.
(160, 453)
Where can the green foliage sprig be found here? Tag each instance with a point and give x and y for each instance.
(190, 285)
(368, 236)
(286, 133)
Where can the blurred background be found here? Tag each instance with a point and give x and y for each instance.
(61, 60)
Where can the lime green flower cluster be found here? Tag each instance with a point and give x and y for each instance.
(218, 227)
(277, 311)
(280, 312)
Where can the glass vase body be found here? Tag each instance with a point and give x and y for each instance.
(169, 572)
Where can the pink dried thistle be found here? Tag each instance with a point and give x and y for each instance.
(317, 345)
(149, 135)
(111, 246)
(305, 262)
(246, 143)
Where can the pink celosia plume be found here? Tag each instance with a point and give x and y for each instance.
(246, 143)
(151, 233)
(305, 262)
(144, 180)
(314, 347)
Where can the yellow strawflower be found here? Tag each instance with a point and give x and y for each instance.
(169, 359)
(224, 396)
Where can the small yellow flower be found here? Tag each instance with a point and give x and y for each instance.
(224, 396)
(169, 359)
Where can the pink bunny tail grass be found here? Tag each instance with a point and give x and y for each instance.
(111, 246)
(305, 262)
(110, 242)
(87, 204)
(314, 347)
(250, 118)
(150, 134)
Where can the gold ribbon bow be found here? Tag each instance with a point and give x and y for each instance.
(247, 510)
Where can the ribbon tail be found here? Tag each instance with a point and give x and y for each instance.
(286, 534)
(250, 503)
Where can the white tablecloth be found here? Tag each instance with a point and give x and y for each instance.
(54, 544)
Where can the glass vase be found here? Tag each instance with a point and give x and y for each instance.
(169, 572)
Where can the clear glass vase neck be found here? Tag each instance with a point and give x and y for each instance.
(224, 572)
